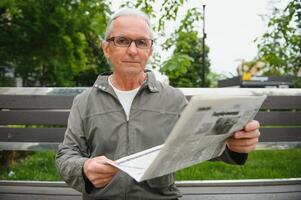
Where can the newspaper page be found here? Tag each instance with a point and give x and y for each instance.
(199, 135)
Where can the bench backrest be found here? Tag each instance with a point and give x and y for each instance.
(36, 118)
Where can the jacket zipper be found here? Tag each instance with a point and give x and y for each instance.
(127, 128)
(127, 135)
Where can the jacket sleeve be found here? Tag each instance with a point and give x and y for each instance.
(232, 157)
(74, 151)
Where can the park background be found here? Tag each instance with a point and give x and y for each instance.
(57, 44)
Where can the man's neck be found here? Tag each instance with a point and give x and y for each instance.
(128, 82)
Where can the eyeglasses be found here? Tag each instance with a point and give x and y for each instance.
(121, 41)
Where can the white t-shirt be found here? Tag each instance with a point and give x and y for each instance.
(125, 97)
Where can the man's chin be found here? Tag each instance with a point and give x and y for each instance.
(133, 70)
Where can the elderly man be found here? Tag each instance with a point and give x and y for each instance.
(125, 112)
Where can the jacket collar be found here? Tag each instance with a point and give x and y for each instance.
(102, 82)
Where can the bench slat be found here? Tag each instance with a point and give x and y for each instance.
(280, 135)
(65, 102)
(48, 117)
(278, 102)
(34, 117)
(56, 135)
(261, 195)
(35, 102)
(213, 190)
(279, 118)
(282, 102)
(34, 196)
(48, 135)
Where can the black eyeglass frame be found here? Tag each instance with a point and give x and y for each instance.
(112, 39)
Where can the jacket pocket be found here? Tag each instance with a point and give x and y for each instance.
(165, 185)
(111, 191)
(162, 181)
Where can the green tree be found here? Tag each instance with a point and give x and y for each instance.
(280, 46)
(50, 43)
(183, 68)
(168, 11)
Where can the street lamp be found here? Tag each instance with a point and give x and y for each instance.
(203, 67)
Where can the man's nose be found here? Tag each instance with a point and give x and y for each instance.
(132, 49)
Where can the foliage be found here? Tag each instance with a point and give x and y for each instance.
(56, 43)
(6, 81)
(183, 68)
(280, 46)
(212, 78)
(38, 166)
(48, 43)
(168, 10)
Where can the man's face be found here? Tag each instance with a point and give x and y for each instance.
(130, 60)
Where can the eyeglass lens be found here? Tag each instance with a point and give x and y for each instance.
(126, 42)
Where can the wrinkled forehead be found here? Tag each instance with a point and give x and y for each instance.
(130, 26)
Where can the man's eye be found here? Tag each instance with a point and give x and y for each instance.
(142, 43)
(122, 41)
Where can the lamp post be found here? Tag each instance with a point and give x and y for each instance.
(203, 67)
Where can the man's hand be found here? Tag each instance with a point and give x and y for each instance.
(245, 141)
(98, 171)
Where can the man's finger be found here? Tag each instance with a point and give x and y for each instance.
(105, 173)
(245, 135)
(106, 169)
(102, 182)
(242, 142)
(251, 126)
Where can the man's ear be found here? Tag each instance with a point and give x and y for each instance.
(105, 48)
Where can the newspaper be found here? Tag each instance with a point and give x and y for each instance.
(199, 135)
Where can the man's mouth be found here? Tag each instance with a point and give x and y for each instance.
(129, 61)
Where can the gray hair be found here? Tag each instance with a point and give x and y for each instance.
(127, 12)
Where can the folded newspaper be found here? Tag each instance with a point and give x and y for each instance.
(199, 135)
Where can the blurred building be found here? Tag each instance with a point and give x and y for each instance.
(247, 81)
(250, 75)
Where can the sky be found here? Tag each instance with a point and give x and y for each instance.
(231, 27)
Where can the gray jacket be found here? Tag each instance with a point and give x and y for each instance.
(97, 126)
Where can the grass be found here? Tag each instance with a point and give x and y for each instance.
(260, 165)
(38, 166)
